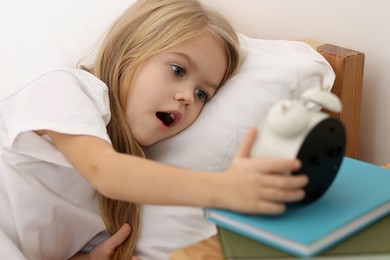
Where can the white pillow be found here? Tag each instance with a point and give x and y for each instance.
(269, 70)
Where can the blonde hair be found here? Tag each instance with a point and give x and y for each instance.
(148, 27)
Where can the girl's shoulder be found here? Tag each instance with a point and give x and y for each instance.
(59, 90)
(79, 78)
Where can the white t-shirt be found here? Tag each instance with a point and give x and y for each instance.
(47, 210)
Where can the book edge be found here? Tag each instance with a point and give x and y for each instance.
(294, 247)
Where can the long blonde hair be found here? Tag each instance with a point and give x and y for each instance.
(148, 27)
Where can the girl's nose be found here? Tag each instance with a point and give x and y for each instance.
(185, 95)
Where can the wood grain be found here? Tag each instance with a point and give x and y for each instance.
(209, 249)
(348, 66)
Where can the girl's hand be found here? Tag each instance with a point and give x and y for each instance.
(260, 185)
(105, 249)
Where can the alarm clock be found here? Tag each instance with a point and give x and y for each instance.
(297, 128)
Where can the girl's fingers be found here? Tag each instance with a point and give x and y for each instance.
(283, 196)
(246, 145)
(118, 238)
(105, 249)
(270, 207)
(284, 181)
(266, 164)
(277, 165)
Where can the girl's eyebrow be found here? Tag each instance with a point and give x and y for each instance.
(194, 66)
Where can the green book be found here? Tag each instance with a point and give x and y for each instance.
(371, 243)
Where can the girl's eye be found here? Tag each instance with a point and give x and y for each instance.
(201, 95)
(178, 71)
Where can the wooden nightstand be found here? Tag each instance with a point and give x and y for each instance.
(209, 249)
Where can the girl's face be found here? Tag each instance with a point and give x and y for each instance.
(170, 89)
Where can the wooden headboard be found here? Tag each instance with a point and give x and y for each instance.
(348, 66)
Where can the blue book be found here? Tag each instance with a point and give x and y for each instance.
(359, 196)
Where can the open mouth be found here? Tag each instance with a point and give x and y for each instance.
(167, 118)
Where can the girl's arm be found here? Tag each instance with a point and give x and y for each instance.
(249, 185)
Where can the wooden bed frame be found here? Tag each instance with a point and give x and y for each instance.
(348, 66)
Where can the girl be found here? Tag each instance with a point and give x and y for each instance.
(73, 134)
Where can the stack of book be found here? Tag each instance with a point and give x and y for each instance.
(350, 220)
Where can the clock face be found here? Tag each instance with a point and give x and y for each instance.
(321, 155)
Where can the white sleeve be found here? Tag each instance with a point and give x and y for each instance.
(60, 101)
(8, 249)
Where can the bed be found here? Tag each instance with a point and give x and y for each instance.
(348, 66)
(51, 44)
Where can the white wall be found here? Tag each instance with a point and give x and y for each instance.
(361, 25)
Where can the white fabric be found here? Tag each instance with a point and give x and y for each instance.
(269, 70)
(48, 211)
